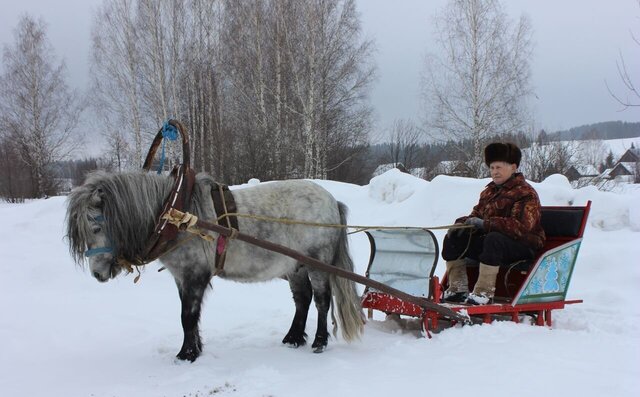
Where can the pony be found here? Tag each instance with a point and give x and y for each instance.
(111, 216)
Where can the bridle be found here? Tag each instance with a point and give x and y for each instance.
(163, 237)
(99, 250)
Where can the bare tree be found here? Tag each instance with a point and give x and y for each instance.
(300, 73)
(331, 74)
(268, 88)
(116, 79)
(15, 181)
(544, 158)
(201, 93)
(479, 87)
(38, 111)
(404, 147)
(591, 152)
(632, 96)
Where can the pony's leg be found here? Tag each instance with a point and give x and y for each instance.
(322, 299)
(191, 290)
(301, 290)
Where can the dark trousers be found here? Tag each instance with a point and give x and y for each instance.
(495, 249)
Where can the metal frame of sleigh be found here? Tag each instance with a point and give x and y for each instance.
(406, 260)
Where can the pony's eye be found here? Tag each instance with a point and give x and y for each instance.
(96, 230)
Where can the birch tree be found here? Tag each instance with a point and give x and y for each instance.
(38, 111)
(116, 79)
(479, 84)
(247, 62)
(201, 93)
(331, 73)
(267, 88)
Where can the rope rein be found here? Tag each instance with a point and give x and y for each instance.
(359, 228)
(187, 222)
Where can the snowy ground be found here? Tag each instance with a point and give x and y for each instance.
(63, 334)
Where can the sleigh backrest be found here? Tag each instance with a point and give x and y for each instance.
(550, 274)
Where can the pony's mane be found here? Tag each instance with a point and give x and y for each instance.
(130, 203)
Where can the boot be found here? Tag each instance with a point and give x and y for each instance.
(458, 283)
(485, 287)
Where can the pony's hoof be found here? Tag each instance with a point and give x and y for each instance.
(295, 340)
(320, 344)
(188, 355)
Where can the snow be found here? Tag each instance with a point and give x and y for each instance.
(619, 146)
(64, 334)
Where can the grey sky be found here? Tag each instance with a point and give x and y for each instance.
(577, 43)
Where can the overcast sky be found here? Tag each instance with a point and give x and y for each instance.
(577, 44)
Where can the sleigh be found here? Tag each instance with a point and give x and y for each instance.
(406, 260)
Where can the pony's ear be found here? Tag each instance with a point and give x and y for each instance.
(97, 198)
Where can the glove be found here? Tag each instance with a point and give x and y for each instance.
(475, 222)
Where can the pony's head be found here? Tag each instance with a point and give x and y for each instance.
(111, 216)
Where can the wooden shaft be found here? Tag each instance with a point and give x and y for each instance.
(422, 302)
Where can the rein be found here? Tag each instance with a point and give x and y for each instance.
(359, 228)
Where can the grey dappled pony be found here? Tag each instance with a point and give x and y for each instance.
(112, 215)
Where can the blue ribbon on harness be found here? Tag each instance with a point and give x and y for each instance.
(100, 250)
(168, 132)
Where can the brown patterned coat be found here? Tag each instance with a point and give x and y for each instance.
(513, 209)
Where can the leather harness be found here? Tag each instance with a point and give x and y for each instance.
(163, 238)
(224, 204)
(164, 234)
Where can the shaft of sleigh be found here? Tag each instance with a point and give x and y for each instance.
(190, 223)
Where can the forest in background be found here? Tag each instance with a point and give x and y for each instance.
(273, 89)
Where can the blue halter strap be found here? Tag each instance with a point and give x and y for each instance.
(100, 250)
(96, 251)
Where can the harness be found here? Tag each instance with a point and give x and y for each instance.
(163, 238)
(164, 235)
(99, 250)
(224, 205)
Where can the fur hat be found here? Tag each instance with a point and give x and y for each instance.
(507, 152)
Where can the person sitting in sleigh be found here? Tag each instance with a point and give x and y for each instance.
(506, 228)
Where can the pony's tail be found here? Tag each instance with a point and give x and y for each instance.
(347, 301)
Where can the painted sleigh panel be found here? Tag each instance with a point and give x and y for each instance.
(549, 279)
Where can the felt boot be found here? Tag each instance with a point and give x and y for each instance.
(485, 287)
(458, 283)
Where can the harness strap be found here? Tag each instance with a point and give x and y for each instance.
(164, 236)
(224, 205)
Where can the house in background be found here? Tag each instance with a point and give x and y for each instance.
(625, 172)
(627, 169)
(630, 156)
(576, 172)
